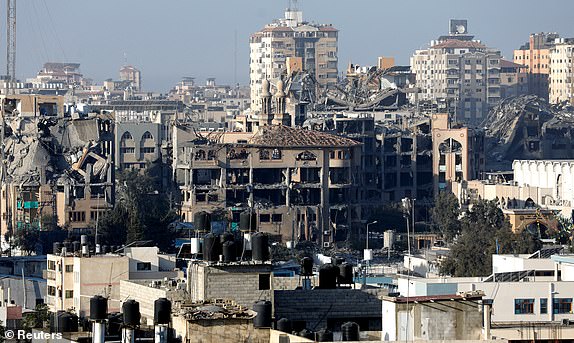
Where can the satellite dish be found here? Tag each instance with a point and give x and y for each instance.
(460, 29)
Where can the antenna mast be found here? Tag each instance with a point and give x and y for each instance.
(10, 45)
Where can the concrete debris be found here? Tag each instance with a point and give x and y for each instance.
(527, 127)
(216, 310)
(281, 136)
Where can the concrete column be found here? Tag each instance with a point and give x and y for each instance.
(556, 269)
(550, 301)
(486, 309)
(287, 183)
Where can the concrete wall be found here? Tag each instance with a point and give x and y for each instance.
(219, 331)
(320, 308)
(234, 282)
(143, 294)
(455, 321)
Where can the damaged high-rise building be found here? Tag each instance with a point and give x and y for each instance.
(55, 169)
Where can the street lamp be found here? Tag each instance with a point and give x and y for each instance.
(375, 222)
(367, 255)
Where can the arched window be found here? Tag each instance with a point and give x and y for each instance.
(147, 135)
(126, 136)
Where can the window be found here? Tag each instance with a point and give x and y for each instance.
(147, 135)
(148, 150)
(277, 218)
(543, 305)
(69, 268)
(264, 282)
(125, 150)
(69, 294)
(143, 266)
(523, 306)
(562, 305)
(52, 290)
(264, 218)
(51, 265)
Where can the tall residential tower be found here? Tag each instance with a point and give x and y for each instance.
(315, 45)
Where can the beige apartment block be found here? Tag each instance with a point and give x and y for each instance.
(316, 45)
(561, 77)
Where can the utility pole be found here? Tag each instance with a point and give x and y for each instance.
(10, 45)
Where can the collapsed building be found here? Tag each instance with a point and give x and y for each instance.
(527, 127)
(56, 170)
(302, 184)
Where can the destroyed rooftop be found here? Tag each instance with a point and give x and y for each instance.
(285, 136)
(457, 43)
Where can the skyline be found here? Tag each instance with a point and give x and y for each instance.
(103, 36)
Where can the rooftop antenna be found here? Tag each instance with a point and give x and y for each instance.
(125, 58)
(293, 5)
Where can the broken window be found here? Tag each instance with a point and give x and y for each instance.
(277, 218)
(264, 218)
(264, 155)
(276, 155)
(306, 156)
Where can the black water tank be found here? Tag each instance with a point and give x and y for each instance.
(324, 336)
(350, 332)
(229, 252)
(328, 274)
(211, 247)
(98, 308)
(67, 322)
(260, 247)
(247, 221)
(56, 248)
(132, 315)
(263, 317)
(162, 311)
(346, 273)
(306, 266)
(202, 221)
(226, 237)
(76, 246)
(305, 333)
(284, 325)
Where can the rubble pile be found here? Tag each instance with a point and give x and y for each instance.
(527, 127)
(216, 309)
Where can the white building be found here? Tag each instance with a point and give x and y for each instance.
(523, 289)
(561, 78)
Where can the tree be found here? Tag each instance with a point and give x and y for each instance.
(445, 214)
(141, 212)
(26, 239)
(484, 232)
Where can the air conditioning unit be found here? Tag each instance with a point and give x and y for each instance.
(565, 321)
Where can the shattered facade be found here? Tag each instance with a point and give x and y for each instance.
(527, 127)
(58, 169)
(303, 185)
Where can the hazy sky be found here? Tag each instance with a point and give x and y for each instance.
(168, 39)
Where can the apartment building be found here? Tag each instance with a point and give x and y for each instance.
(561, 77)
(535, 55)
(460, 71)
(316, 45)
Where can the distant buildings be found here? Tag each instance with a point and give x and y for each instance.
(535, 55)
(513, 79)
(561, 77)
(461, 71)
(315, 46)
(133, 75)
